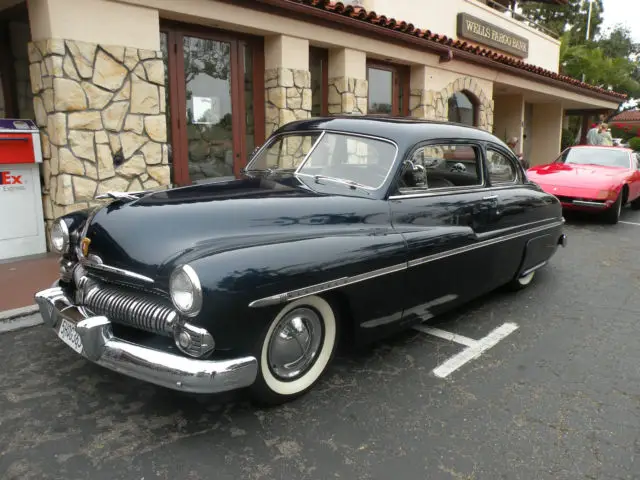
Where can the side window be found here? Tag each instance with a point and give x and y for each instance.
(442, 166)
(637, 160)
(501, 168)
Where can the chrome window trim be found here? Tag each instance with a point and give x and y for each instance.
(274, 138)
(311, 150)
(448, 190)
(515, 181)
(344, 281)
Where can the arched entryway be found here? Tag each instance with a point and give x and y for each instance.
(463, 108)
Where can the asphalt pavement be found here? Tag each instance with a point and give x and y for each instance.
(558, 398)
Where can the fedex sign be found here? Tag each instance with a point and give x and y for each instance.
(11, 181)
(7, 179)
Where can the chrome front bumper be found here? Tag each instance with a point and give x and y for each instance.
(161, 368)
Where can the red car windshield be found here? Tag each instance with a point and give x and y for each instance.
(606, 157)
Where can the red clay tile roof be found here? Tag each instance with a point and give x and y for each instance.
(626, 116)
(359, 13)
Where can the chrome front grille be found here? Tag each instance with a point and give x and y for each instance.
(134, 308)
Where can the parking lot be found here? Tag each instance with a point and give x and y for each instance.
(558, 397)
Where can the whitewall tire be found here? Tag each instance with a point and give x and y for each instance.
(522, 282)
(295, 350)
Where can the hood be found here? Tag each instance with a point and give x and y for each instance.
(573, 175)
(153, 234)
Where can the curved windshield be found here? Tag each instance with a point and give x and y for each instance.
(329, 156)
(606, 157)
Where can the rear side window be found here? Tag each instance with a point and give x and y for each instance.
(502, 169)
(442, 166)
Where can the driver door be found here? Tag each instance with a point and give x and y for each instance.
(443, 213)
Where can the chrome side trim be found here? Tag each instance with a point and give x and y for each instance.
(343, 281)
(485, 243)
(120, 271)
(502, 231)
(170, 370)
(323, 287)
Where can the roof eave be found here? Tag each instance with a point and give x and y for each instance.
(296, 9)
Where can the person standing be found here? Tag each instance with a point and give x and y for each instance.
(512, 143)
(605, 135)
(593, 135)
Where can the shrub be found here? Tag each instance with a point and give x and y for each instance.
(635, 143)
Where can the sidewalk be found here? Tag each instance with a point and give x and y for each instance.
(21, 278)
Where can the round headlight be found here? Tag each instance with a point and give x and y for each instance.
(60, 236)
(185, 290)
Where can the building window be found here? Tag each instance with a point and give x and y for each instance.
(462, 109)
(318, 67)
(388, 89)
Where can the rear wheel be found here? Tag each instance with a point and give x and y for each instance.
(295, 350)
(522, 282)
(612, 215)
(635, 205)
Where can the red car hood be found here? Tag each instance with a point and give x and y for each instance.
(577, 176)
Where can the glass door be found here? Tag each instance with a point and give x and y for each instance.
(209, 101)
(217, 107)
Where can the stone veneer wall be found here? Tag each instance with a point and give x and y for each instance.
(288, 97)
(348, 96)
(101, 110)
(433, 105)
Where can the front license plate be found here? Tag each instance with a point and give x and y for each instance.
(68, 335)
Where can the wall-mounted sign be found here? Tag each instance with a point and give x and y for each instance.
(480, 31)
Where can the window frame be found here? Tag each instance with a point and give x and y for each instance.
(176, 31)
(397, 194)
(510, 156)
(400, 78)
(323, 55)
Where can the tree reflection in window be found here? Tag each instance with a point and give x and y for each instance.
(461, 109)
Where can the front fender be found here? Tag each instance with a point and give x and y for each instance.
(232, 280)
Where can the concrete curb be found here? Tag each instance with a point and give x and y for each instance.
(19, 318)
(20, 323)
(18, 312)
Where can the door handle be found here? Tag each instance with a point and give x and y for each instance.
(490, 197)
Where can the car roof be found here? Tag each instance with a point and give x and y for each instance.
(399, 129)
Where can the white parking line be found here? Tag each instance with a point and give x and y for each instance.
(474, 349)
(630, 223)
(452, 337)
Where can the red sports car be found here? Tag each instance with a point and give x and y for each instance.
(592, 178)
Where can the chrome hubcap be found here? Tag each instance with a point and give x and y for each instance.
(295, 343)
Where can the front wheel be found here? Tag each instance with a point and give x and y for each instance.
(613, 214)
(295, 350)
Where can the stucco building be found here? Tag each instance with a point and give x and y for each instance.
(133, 94)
